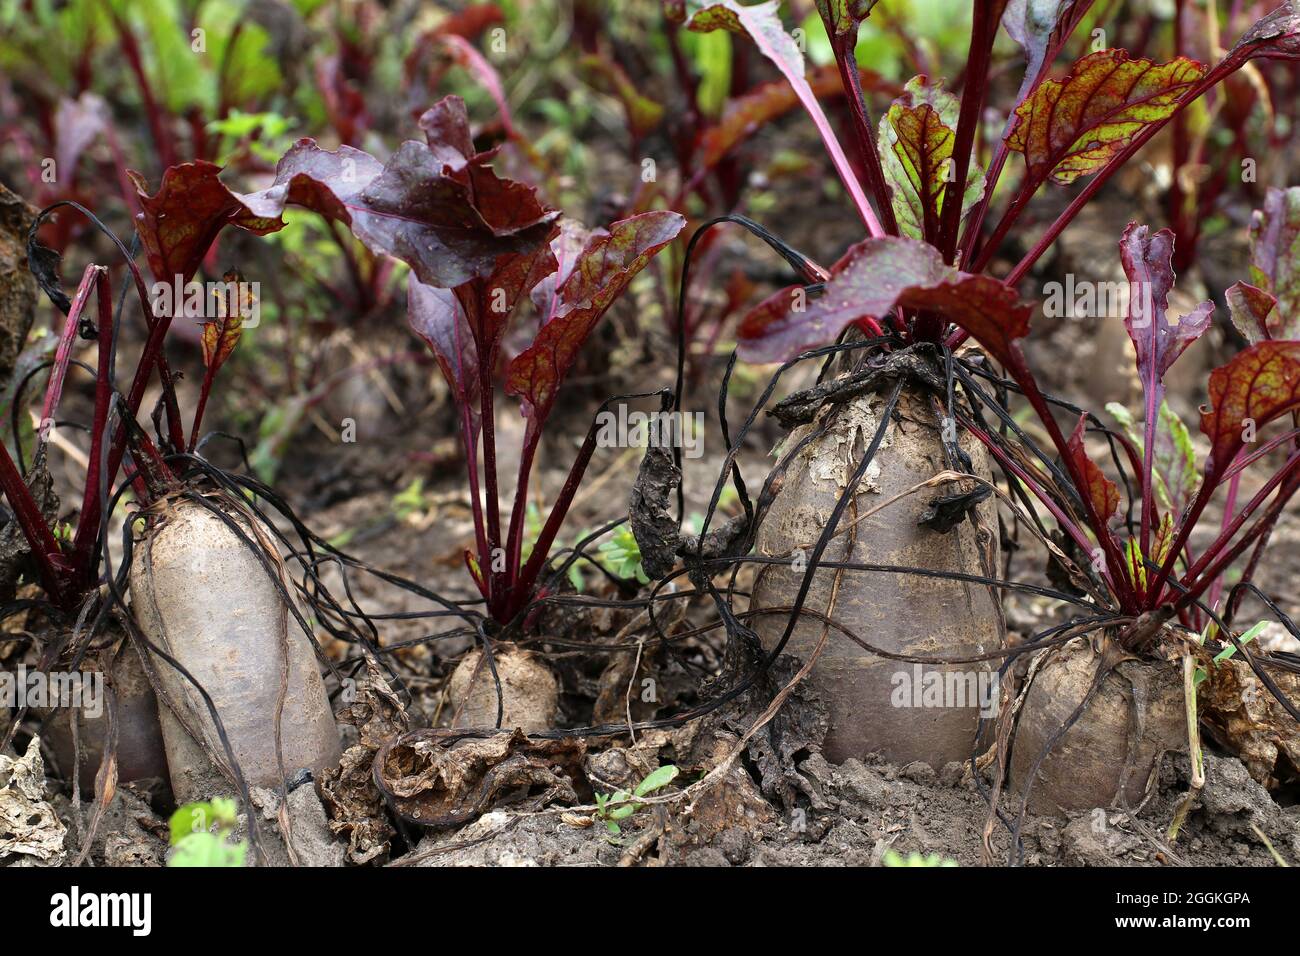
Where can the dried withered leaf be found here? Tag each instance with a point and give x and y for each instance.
(650, 511)
(912, 364)
(353, 801)
(695, 749)
(796, 732)
(735, 801)
(442, 778)
(945, 512)
(1250, 722)
(29, 827)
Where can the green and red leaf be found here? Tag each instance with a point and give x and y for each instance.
(221, 335)
(1072, 127)
(915, 141)
(1101, 491)
(600, 274)
(1254, 313)
(1275, 262)
(1176, 475)
(566, 250)
(1260, 384)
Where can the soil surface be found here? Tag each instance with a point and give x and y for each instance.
(871, 808)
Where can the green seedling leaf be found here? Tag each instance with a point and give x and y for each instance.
(208, 850)
(1137, 569)
(1174, 463)
(203, 816)
(657, 780)
(1245, 638)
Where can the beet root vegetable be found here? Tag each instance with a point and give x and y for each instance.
(529, 692)
(1135, 718)
(874, 706)
(140, 751)
(201, 594)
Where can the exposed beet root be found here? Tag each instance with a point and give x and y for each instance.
(140, 751)
(872, 703)
(529, 692)
(202, 595)
(1086, 767)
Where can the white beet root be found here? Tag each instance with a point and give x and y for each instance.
(1086, 767)
(200, 593)
(873, 701)
(529, 693)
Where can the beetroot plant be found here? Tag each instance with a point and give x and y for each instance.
(918, 287)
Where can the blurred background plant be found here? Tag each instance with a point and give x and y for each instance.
(610, 109)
